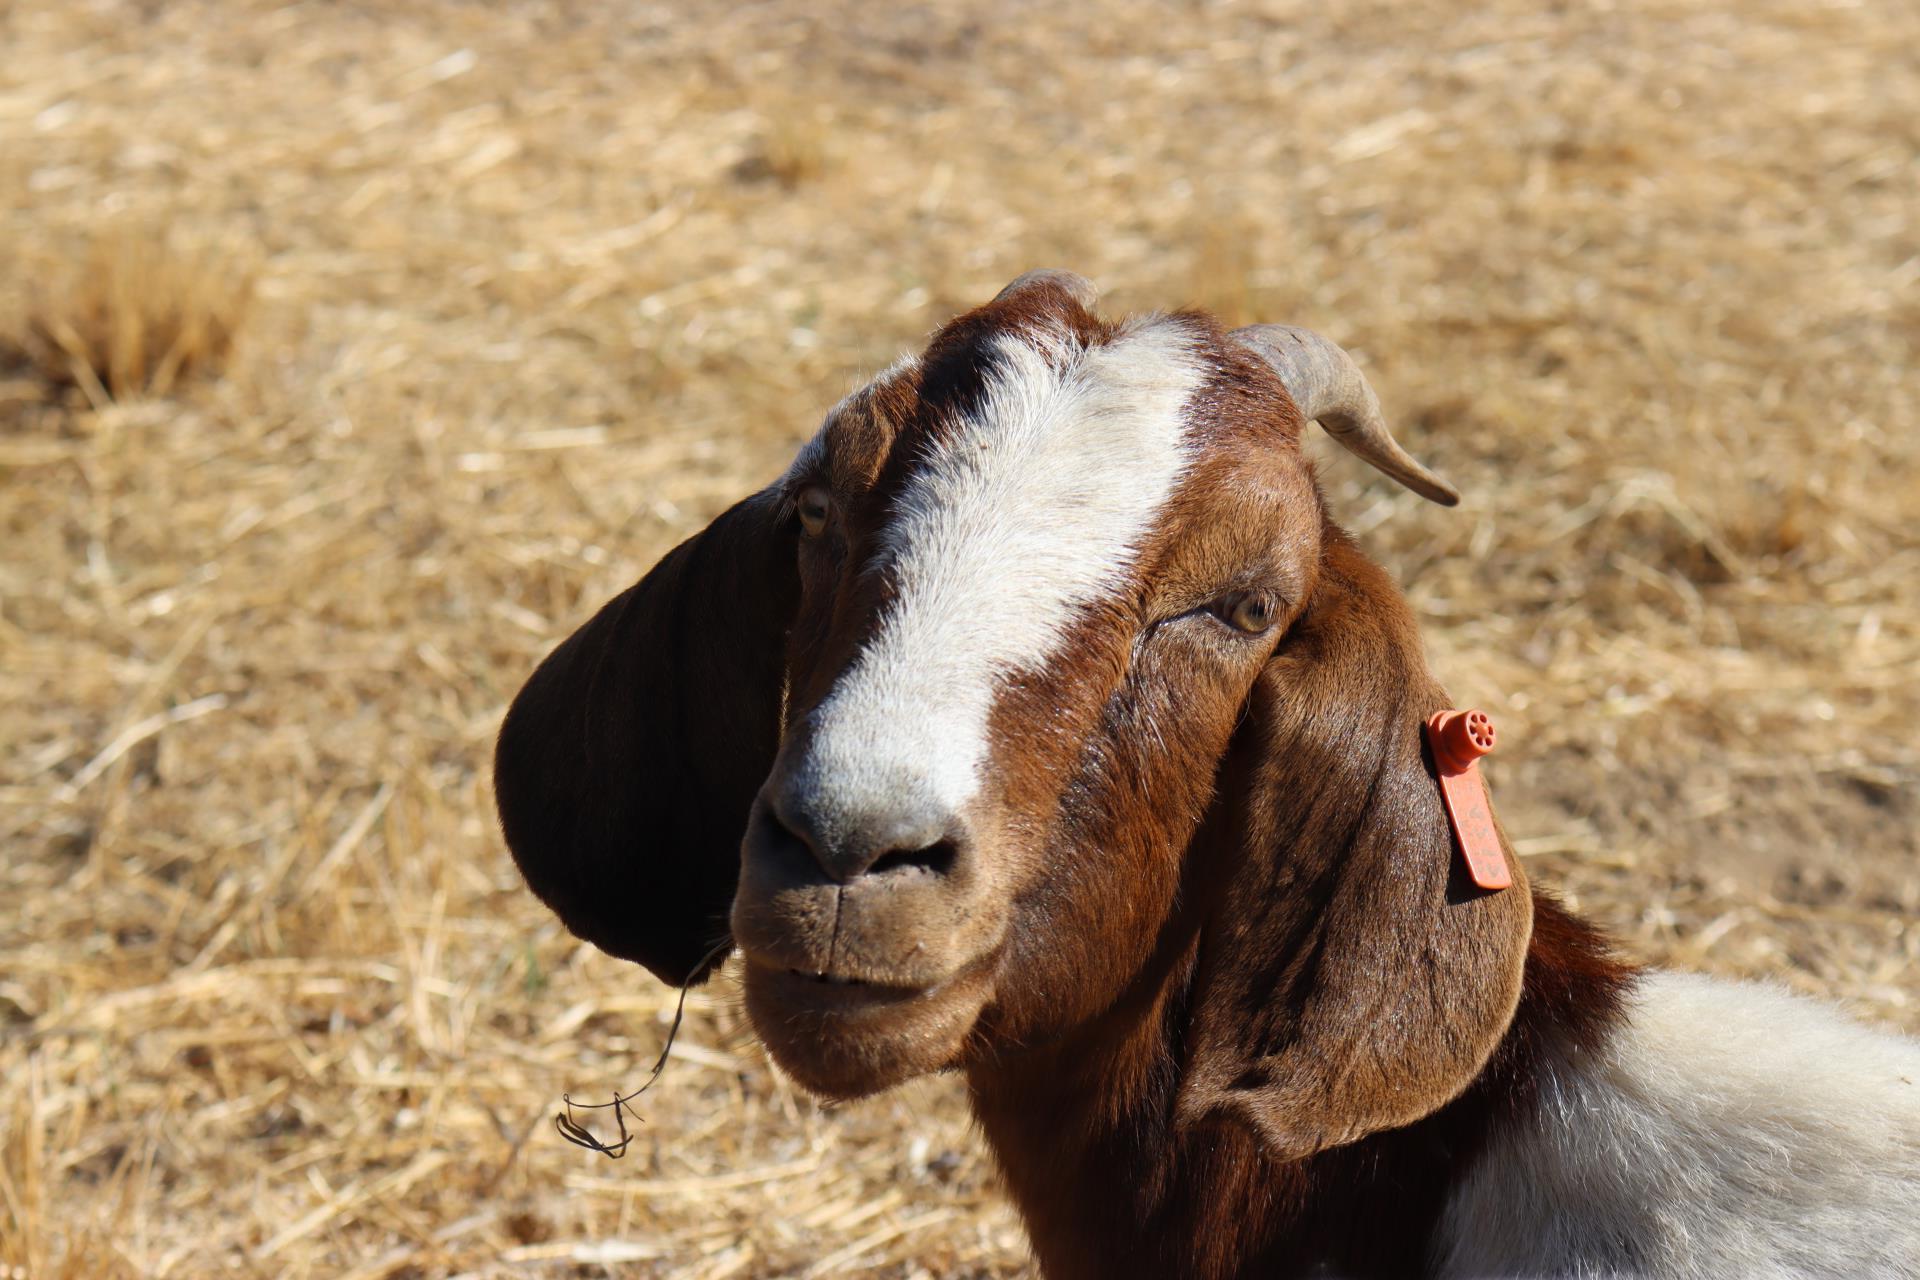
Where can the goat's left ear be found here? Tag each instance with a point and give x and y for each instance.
(1351, 977)
(627, 764)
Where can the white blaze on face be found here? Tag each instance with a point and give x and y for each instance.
(1032, 509)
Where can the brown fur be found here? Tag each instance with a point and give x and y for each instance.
(1224, 1003)
(1109, 1184)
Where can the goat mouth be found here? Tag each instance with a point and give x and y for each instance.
(845, 1037)
(858, 1004)
(831, 979)
(809, 990)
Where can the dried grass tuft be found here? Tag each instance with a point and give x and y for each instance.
(792, 148)
(138, 315)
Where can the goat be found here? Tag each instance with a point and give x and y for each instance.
(1040, 724)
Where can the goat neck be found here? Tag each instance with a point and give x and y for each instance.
(1110, 1184)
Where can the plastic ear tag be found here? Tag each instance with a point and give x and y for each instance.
(1458, 739)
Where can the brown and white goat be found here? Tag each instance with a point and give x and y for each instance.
(1039, 724)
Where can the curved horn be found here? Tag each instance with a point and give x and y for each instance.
(1329, 388)
(1078, 287)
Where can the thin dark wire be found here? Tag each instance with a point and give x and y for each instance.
(578, 1134)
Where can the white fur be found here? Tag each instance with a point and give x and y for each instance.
(1730, 1131)
(1028, 513)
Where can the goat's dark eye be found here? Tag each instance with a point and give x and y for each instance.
(1248, 612)
(813, 505)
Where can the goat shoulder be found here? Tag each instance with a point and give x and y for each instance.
(1720, 1129)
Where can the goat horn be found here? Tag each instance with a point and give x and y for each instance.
(1078, 287)
(1329, 388)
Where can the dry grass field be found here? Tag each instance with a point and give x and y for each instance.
(350, 353)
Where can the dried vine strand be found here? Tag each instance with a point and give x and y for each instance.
(578, 1134)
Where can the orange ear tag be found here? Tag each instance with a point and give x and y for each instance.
(1458, 739)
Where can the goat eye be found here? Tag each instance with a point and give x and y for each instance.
(1249, 613)
(813, 504)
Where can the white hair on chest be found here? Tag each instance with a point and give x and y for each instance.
(1728, 1129)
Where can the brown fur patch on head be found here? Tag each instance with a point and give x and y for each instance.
(1107, 758)
(962, 355)
(1353, 980)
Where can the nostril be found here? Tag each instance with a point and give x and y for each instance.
(781, 845)
(937, 858)
(788, 841)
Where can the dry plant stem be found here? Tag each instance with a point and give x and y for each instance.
(573, 1131)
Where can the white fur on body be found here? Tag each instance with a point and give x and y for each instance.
(1729, 1132)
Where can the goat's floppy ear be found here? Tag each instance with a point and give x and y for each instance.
(627, 764)
(1351, 978)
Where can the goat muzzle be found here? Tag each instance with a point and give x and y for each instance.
(871, 939)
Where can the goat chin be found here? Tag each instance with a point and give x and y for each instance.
(846, 1040)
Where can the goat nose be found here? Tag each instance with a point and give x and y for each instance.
(877, 845)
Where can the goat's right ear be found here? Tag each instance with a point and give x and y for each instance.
(1352, 978)
(627, 764)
